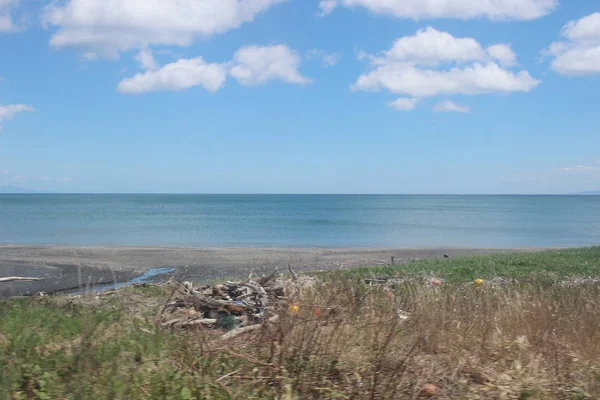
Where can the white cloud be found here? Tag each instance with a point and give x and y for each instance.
(9, 111)
(503, 53)
(475, 79)
(254, 65)
(462, 9)
(6, 21)
(64, 179)
(328, 59)
(108, 27)
(449, 106)
(180, 75)
(146, 59)
(433, 63)
(21, 178)
(578, 61)
(6, 24)
(404, 104)
(587, 28)
(430, 47)
(580, 53)
(326, 7)
(580, 169)
(332, 59)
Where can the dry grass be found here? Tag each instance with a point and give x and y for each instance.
(472, 343)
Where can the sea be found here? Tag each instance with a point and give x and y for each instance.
(325, 221)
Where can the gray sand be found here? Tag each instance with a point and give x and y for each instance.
(63, 268)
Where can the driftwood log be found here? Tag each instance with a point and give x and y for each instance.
(19, 278)
(231, 334)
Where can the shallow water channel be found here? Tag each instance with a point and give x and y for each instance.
(146, 277)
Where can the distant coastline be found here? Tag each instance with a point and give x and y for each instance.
(591, 193)
(9, 189)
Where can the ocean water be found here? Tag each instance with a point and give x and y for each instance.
(398, 221)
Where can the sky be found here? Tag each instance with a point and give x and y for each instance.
(300, 96)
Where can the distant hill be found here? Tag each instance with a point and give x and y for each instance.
(592, 193)
(16, 190)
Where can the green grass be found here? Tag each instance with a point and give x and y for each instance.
(60, 348)
(555, 264)
(49, 348)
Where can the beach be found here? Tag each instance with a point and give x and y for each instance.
(63, 268)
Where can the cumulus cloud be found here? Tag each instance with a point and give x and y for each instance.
(107, 27)
(503, 54)
(475, 79)
(326, 7)
(430, 47)
(404, 104)
(587, 28)
(461, 9)
(449, 106)
(433, 63)
(579, 53)
(6, 20)
(146, 59)
(254, 65)
(9, 111)
(180, 75)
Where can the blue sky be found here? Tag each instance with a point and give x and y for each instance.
(300, 96)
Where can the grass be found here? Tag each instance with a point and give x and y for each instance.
(535, 340)
(557, 264)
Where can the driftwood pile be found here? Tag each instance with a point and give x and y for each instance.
(235, 307)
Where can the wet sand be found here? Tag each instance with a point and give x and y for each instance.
(63, 268)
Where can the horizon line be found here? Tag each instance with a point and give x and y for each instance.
(588, 193)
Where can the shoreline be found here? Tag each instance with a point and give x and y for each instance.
(64, 268)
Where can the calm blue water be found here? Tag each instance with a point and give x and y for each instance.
(301, 220)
